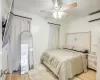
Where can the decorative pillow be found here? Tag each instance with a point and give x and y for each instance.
(86, 51)
(80, 49)
(54, 62)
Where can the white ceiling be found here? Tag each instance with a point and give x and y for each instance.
(34, 6)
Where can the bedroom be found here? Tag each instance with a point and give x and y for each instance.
(74, 29)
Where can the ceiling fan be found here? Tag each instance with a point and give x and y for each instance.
(58, 10)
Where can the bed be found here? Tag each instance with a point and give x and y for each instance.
(65, 63)
(69, 61)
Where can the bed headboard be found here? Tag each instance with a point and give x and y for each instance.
(82, 39)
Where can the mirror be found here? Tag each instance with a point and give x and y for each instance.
(26, 52)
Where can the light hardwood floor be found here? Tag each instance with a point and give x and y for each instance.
(17, 76)
(90, 75)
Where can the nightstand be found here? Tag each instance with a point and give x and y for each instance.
(92, 60)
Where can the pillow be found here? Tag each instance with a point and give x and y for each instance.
(68, 47)
(80, 49)
(54, 62)
(86, 51)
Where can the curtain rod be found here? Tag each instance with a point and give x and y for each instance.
(54, 23)
(20, 16)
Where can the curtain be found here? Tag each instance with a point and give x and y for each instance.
(53, 36)
(7, 32)
(15, 27)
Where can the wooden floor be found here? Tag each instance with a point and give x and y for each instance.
(17, 76)
(90, 75)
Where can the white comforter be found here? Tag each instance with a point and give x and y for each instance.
(64, 63)
(41, 72)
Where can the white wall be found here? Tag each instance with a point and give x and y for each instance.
(98, 62)
(4, 58)
(5, 9)
(40, 31)
(81, 24)
(0, 42)
(0, 46)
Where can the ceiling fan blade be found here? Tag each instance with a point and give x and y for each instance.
(46, 10)
(70, 6)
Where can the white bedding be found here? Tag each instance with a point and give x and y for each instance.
(65, 63)
(41, 73)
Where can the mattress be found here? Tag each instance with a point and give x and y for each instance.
(64, 63)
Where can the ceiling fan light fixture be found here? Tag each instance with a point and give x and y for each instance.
(58, 14)
(55, 15)
(59, 9)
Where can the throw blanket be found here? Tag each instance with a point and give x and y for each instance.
(64, 63)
